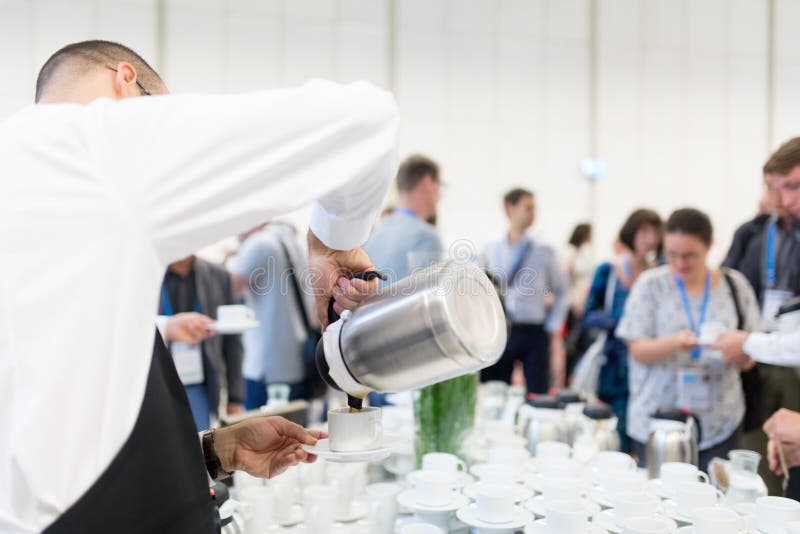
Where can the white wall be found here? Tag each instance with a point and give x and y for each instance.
(499, 91)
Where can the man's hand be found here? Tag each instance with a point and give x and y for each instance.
(784, 426)
(790, 452)
(331, 270)
(234, 408)
(730, 345)
(189, 327)
(264, 446)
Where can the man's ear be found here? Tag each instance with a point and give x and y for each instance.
(125, 80)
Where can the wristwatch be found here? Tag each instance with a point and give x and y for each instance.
(213, 464)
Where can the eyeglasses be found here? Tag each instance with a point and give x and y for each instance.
(144, 91)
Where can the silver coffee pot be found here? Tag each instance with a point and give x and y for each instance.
(542, 419)
(439, 323)
(600, 424)
(674, 437)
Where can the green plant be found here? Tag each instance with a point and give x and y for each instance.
(444, 414)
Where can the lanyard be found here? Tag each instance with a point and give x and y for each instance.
(407, 211)
(626, 266)
(168, 304)
(688, 308)
(771, 275)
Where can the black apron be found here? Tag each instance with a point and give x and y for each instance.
(158, 481)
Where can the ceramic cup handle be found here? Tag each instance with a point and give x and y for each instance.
(704, 477)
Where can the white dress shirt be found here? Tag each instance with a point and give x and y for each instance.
(776, 348)
(96, 200)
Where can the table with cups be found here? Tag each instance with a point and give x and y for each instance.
(498, 487)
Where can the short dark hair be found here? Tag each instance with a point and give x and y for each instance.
(581, 234)
(414, 169)
(692, 222)
(515, 195)
(786, 158)
(635, 222)
(89, 54)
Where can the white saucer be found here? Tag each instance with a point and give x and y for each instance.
(521, 493)
(408, 500)
(540, 527)
(671, 510)
(608, 521)
(323, 450)
(464, 479)
(478, 470)
(295, 516)
(358, 510)
(469, 516)
(601, 497)
(535, 482)
(233, 328)
(537, 506)
(656, 485)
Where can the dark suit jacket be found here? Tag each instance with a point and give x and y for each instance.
(222, 355)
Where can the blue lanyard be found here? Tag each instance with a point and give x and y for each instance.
(407, 211)
(688, 308)
(165, 301)
(771, 275)
(626, 265)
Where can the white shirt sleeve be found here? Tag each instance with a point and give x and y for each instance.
(198, 168)
(775, 348)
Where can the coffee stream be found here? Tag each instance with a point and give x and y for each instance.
(356, 404)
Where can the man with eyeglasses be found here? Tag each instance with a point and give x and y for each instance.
(101, 190)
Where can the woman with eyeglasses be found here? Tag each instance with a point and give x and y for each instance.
(673, 313)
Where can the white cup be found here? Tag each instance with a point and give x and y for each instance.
(498, 474)
(692, 495)
(606, 461)
(549, 450)
(616, 482)
(261, 503)
(319, 507)
(561, 488)
(773, 513)
(566, 516)
(285, 496)
(234, 313)
(673, 474)
(793, 527)
(442, 461)
(382, 501)
(561, 467)
(629, 504)
(495, 503)
(514, 456)
(435, 488)
(357, 431)
(718, 520)
(420, 528)
(342, 478)
(648, 525)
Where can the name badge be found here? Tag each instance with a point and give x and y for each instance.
(773, 300)
(188, 360)
(694, 390)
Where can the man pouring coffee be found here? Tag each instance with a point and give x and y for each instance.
(101, 190)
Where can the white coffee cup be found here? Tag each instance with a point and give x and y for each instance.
(515, 456)
(285, 493)
(692, 495)
(261, 502)
(234, 313)
(495, 503)
(421, 528)
(498, 474)
(382, 501)
(435, 488)
(616, 482)
(793, 527)
(442, 461)
(561, 467)
(566, 516)
(561, 488)
(357, 431)
(648, 525)
(629, 504)
(548, 450)
(342, 477)
(718, 520)
(319, 507)
(606, 461)
(773, 513)
(673, 474)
